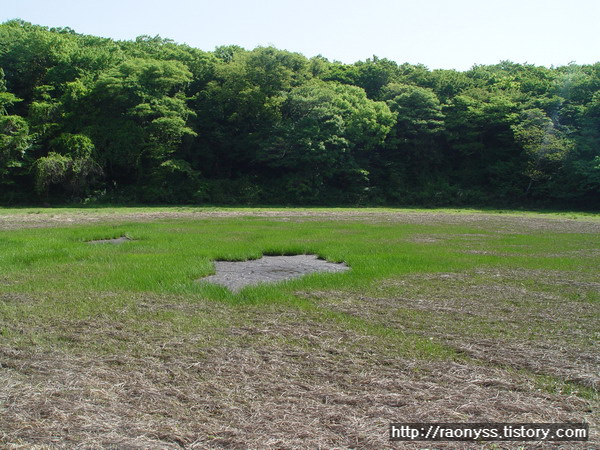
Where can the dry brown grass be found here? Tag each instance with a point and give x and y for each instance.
(280, 381)
(520, 319)
(484, 221)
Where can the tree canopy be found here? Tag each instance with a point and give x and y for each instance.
(84, 118)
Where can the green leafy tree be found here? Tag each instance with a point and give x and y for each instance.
(420, 120)
(29, 53)
(585, 161)
(375, 73)
(484, 154)
(546, 145)
(323, 143)
(238, 110)
(71, 165)
(137, 115)
(15, 139)
(413, 150)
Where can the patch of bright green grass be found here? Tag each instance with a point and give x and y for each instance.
(554, 385)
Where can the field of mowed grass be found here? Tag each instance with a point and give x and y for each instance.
(445, 315)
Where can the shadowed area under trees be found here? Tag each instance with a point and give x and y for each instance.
(85, 118)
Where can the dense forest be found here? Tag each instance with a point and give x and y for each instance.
(90, 119)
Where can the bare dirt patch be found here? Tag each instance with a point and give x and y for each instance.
(118, 240)
(236, 275)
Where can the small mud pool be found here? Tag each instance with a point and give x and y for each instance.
(236, 275)
(119, 240)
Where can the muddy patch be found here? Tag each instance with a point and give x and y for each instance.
(236, 275)
(118, 240)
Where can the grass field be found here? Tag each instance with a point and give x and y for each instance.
(445, 315)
